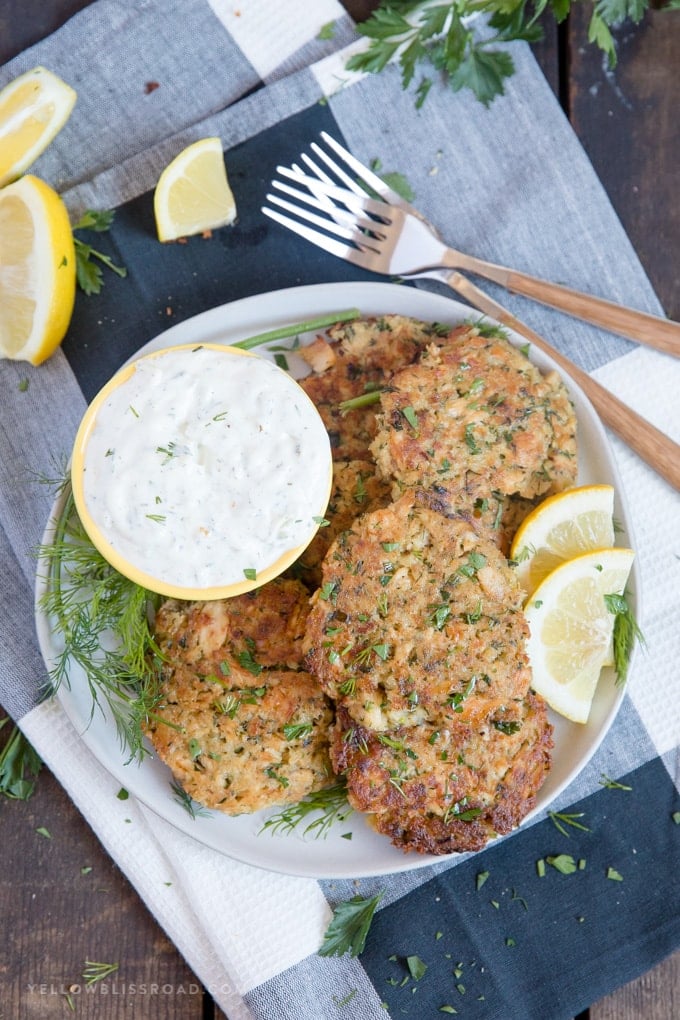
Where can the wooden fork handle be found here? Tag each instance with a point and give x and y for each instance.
(653, 446)
(652, 330)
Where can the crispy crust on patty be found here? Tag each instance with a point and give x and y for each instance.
(418, 619)
(367, 352)
(447, 790)
(473, 416)
(240, 724)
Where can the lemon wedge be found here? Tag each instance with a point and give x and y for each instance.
(572, 626)
(193, 193)
(37, 270)
(33, 109)
(561, 527)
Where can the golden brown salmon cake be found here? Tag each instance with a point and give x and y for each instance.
(365, 353)
(417, 619)
(473, 417)
(240, 743)
(356, 490)
(239, 722)
(448, 789)
(261, 629)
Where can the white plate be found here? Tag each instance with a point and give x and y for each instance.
(366, 853)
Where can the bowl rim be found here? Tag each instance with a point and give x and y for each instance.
(120, 562)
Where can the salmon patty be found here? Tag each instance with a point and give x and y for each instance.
(447, 789)
(473, 417)
(417, 620)
(240, 723)
(363, 355)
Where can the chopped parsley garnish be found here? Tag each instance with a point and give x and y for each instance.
(411, 417)
(564, 863)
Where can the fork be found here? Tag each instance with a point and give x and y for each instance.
(652, 445)
(654, 331)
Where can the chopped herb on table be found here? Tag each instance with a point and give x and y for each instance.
(95, 971)
(560, 819)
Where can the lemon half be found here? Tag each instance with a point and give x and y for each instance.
(572, 627)
(33, 109)
(561, 527)
(37, 270)
(193, 193)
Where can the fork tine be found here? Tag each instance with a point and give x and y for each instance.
(355, 227)
(373, 181)
(316, 200)
(346, 229)
(356, 201)
(323, 199)
(333, 247)
(349, 182)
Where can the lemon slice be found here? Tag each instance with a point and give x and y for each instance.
(193, 193)
(37, 270)
(571, 628)
(33, 109)
(561, 527)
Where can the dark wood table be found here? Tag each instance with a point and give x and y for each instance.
(62, 899)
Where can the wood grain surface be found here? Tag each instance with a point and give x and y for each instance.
(62, 900)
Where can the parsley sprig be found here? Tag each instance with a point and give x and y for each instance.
(347, 932)
(19, 765)
(88, 273)
(416, 32)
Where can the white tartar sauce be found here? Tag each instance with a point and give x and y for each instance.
(205, 467)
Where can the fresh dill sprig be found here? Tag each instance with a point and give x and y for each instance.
(95, 971)
(613, 784)
(626, 633)
(103, 622)
(329, 806)
(560, 819)
(185, 800)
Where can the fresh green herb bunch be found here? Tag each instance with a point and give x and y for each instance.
(414, 32)
(103, 622)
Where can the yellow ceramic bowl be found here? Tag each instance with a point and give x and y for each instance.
(201, 471)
